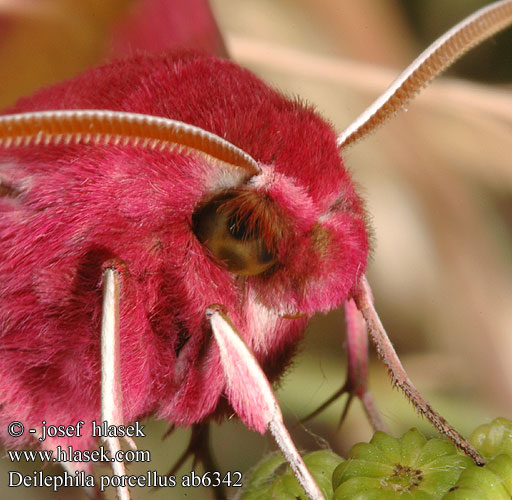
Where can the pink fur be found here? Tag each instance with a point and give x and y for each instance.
(71, 208)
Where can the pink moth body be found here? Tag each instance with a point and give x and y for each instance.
(66, 210)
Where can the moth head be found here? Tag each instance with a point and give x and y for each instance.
(299, 256)
(293, 231)
(267, 199)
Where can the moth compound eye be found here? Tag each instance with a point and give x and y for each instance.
(232, 237)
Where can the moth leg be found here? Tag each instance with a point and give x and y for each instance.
(199, 448)
(356, 383)
(364, 301)
(111, 396)
(92, 493)
(251, 396)
(357, 371)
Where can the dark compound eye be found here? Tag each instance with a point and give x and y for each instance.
(230, 238)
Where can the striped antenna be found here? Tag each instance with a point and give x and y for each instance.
(116, 127)
(430, 63)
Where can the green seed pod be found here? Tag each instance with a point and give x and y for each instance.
(409, 468)
(272, 479)
(502, 467)
(493, 439)
(482, 483)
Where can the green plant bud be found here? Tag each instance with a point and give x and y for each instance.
(502, 467)
(493, 439)
(273, 479)
(409, 468)
(479, 483)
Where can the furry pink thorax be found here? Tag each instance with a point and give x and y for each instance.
(70, 209)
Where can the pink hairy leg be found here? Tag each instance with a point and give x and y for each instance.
(357, 371)
(251, 396)
(356, 383)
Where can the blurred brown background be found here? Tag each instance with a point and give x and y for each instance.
(437, 180)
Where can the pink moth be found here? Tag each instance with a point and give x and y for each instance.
(230, 211)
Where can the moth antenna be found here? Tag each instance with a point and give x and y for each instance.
(474, 29)
(111, 394)
(251, 396)
(114, 127)
(364, 301)
(356, 383)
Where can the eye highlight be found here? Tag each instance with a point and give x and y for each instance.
(228, 229)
